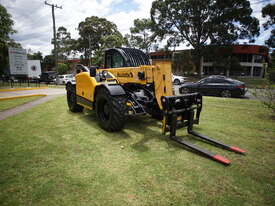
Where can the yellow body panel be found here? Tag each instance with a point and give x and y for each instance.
(159, 74)
(85, 86)
(162, 75)
(130, 74)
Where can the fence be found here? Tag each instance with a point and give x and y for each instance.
(9, 83)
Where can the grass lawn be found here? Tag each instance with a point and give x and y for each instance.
(10, 103)
(255, 82)
(50, 156)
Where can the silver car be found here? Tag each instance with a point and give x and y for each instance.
(178, 79)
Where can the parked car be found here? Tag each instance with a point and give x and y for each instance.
(48, 77)
(178, 79)
(216, 86)
(64, 79)
(70, 78)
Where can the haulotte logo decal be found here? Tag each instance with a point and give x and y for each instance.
(125, 74)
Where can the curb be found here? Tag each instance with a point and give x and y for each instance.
(22, 96)
(20, 89)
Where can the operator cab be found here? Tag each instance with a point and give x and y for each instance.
(125, 57)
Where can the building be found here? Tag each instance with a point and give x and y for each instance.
(235, 60)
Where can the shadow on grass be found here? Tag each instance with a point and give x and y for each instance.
(141, 125)
(90, 118)
(150, 130)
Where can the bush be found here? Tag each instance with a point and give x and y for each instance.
(266, 95)
(62, 68)
(272, 76)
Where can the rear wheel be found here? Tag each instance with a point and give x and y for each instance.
(71, 100)
(184, 90)
(177, 81)
(226, 93)
(110, 110)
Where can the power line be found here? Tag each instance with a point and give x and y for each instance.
(54, 30)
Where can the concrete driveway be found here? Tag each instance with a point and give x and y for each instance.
(50, 92)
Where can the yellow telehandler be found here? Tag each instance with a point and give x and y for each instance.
(129, 85)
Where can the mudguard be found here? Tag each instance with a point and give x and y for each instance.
(114, 89)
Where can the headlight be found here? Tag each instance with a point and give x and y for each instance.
(104, 74)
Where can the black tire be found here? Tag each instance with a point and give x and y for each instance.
(110, 110)
(226, 93)
(184, 90)
(177, 81)
(71, 100)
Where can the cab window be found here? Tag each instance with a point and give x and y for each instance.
(114, 60)
(109, 61)
(117, 60)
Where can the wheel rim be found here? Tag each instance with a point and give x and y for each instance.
(226, 93)
(177, 81)
(184, 91)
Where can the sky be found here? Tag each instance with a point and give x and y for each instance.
(33, 19)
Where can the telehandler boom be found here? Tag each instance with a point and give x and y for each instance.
(129, 85)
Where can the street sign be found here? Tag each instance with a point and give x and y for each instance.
(18, 61)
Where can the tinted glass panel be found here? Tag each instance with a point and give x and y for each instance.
(257, 71)
(217, 80)
(258, 58)
(109, 61)
(117, 60)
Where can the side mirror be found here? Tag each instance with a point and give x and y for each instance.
(93, 71)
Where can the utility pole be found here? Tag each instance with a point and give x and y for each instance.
(54, 30)
(90, 51)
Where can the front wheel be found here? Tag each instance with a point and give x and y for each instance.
(110, 110)
(226, 93)
(71, 100)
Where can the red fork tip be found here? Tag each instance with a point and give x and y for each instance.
(236, 149)
(221, 159)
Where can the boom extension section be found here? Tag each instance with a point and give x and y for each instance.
(184, 111)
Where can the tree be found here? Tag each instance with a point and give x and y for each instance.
(93, 35)
(6, 29)
(35, 56)
(6, 25)
(182, 62)
(269, 12)
(141, 35)
(62, 68)
(199, 22)
(63, 43)
(48, 63)
(110, 41)
(132, 41)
